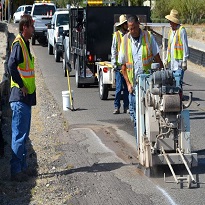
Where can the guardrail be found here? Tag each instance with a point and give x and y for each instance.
(197, 56)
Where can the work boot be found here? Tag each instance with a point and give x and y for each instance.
(126, 110)
(31, 172)
(19, 177)
(116, 111)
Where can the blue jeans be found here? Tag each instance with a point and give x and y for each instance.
(121, 86)
(132, 109)
(179, 75)
(21, 121)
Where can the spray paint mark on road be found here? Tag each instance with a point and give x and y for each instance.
(166, 195)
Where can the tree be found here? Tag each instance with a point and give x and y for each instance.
(161, 9)
(190, 11)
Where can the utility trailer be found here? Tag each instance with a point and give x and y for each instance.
(90, 38)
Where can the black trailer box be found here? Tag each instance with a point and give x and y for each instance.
(93, 26)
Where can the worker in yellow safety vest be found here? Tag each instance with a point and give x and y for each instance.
(22, 96)
(137, 52)
(177, 50)
(120, 83)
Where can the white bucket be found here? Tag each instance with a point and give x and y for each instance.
(66, 99)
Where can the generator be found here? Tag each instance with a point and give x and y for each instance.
(162, 122)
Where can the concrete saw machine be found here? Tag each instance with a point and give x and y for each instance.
(162, 121)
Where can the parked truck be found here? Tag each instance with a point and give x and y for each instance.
(41, 13)
(59, 22)
(90, 39)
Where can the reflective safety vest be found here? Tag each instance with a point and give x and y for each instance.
(147, 56)
(25, 69)
(119, 36)
(178, 47)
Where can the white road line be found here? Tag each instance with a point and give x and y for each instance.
(166, 195)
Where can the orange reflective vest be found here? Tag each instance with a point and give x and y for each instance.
(25, 69)
(147, 56)
(178, 47)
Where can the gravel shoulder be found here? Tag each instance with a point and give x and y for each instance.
(43, 155)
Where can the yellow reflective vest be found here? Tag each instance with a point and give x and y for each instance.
(25, 69)
(118, 36)
(178, 47)
(147, 56)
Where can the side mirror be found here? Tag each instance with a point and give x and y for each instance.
(66, 33)
(60, 31)
(48, 25)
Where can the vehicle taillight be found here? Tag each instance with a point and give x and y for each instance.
(90, 58)
(105, 69)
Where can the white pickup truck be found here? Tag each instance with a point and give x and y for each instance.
(58, 24)
(41, 14)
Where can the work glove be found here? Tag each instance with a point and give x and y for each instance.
(184, 65)
(115, 67)
(165, 64)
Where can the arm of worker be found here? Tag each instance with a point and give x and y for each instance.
(16, 57)
(185, 44)
(122, 61)
(155, 51)
(114, 52)
(185, 48)
(158, 60)
(124, 73)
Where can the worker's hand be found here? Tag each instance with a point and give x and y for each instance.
(115, 67)
(130, 88)
(165, 64)
(184, 65)
(24, 91)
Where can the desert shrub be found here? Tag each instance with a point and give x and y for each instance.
(191, 32)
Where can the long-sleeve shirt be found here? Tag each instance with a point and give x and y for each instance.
(176, 64)
(16, 57)
(114, 49)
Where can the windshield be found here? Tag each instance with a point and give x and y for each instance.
(62, 19)
(28, 9)
(44, 9)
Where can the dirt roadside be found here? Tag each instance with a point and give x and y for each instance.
(47, 125)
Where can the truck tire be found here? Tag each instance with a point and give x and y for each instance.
(64, 64)
(33, 40)
(103, 88)
(57, 54)
(50, 49)
(78, 85)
